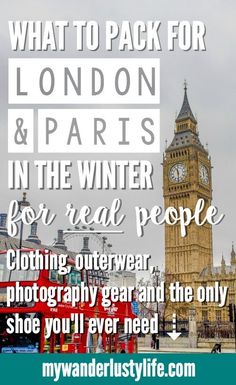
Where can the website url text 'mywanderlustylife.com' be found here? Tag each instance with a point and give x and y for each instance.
(147, 368)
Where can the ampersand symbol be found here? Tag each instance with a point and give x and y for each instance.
(20, 134)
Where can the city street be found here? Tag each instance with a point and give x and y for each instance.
(172, 350)
(144, 346)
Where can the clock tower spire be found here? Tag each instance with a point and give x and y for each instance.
(185, 119)
(187, 178)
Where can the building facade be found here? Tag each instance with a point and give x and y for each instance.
(122, 278)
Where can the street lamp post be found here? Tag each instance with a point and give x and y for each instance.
(21, 205)
(104, 239)
(156, 274)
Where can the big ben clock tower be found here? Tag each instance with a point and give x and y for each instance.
(187, 178)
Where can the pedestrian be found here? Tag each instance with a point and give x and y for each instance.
(153, 342)
(99, 348)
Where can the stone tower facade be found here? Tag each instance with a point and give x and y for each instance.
(187, 178)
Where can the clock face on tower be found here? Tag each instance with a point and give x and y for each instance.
(177, 173)
(203, 174)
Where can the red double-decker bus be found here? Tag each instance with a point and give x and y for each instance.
(71, 341)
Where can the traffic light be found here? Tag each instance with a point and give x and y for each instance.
(231, 312)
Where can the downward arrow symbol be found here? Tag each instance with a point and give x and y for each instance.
(174, 335)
